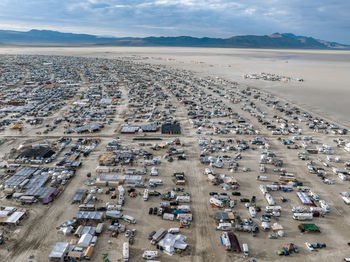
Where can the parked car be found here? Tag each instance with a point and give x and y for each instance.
(235, 193)
(155, 211)
(272, 236)
(151, 235)
(150, 211)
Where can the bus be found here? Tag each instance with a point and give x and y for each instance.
(158, 236)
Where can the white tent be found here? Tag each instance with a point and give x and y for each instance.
(171, 242)
(85, 240)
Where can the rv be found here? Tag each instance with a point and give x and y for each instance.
(273, 209)
(156, 181)
(114, 207)
(149, 254)
(129, 219)
(168, 216)
(184, 208)
(269, 199)
(173, 230)
(87, 207)
(183, 199)
(302, 216)
(158, 236)
(99, 228)
(216, 202)
(187, 217)
(224, 226)
(126, 251)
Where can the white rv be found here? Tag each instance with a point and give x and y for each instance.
(224, 226)
(216, 202)
(126, 251)
(302, 216)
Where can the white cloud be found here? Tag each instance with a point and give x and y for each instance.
(250, 11)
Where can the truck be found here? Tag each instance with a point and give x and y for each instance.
(224, 226)
(216, 202)
(302, 216)
(245, 249)
(126, 251)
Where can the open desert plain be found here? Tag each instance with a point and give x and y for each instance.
(228, 154)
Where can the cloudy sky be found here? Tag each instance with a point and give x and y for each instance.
(323, 19)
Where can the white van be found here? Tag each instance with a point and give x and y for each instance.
(216, 202)
(224, 226)
(129, 219)
(145, 195)
(245, 249)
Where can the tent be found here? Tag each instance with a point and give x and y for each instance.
(171, 242)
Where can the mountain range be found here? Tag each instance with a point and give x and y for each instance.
(53, 38)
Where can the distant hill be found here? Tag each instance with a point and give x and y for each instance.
(276, 40)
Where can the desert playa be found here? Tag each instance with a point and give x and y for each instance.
(325, 90)
(125, 154)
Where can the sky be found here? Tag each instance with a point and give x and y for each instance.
(322, 19)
